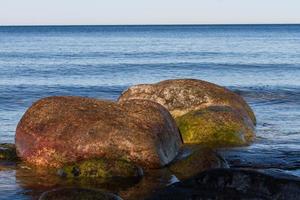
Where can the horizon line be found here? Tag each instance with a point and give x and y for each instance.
(171, 24)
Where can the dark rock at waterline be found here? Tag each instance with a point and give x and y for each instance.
(60, 130)
(78, 194)
(233, 184)
(193, 160)
(8, 152)
(101, 168)
(184, 95)
(152, 180)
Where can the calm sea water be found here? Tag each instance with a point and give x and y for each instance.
(260, 62)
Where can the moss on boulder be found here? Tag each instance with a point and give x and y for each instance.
(196, 159)
(215, 126)
(8, 152)
(101, 168)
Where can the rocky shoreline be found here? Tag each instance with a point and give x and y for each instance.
(174, 126)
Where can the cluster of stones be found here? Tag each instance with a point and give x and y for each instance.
(151, 126)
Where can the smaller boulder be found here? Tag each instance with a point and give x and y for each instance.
(101, 168)
(215, 126)
(8, 152)
(193, 160)
(181, 96)
(77, 194)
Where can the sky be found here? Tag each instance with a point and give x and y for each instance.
(97, 12)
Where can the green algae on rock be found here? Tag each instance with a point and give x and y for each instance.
(78, 194)
(181, 96)
(8, 152)
(217, 126)
(56, 131)
(196, 159)
(101, 168)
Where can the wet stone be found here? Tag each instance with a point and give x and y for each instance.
(194, 159)
(78, 194)
(234, 184)
(8, 152)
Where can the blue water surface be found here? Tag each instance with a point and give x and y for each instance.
(260, 62)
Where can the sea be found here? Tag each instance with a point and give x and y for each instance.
(259, 62)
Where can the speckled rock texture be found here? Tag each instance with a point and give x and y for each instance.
(181, 96)
(205, 113)
(78, 194)
(55, 131)
(194, 159)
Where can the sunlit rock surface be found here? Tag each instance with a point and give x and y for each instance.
(58, 130)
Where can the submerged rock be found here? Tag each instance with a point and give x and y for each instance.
(193, 160)
(78, 194)
(233, 184)
(8, 152)
(184, 95)
(215, 126)
(154, 179)
(101, 168)
(56, 131)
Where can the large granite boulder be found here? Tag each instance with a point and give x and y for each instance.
(216, 126)
(205, 113)
(233, 184)
(78, 194)
(56, 131)
(181, 96)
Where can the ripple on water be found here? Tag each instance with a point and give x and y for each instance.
(9, 189)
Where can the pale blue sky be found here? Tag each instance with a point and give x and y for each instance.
(33, 12)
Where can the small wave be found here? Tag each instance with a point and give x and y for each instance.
(269, 95)
(13, 97)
